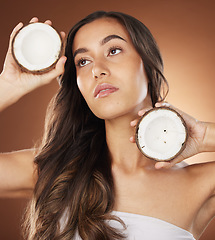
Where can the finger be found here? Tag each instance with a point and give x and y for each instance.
(140, 113)
(134, 123)
(63, 35)
(132, 139)
(14, 32)
(16, 29)
(143, 111)
(60, 64)
(49, 22)
(169, 164)
(34, 20)
(159, 165)
(162, 104)
(57, 71)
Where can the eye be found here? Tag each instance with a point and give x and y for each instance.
(114, 51)
(82, 62)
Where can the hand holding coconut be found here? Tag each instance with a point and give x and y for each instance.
(174, 137)
(16, 82)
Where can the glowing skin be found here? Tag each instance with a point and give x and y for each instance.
(110, 73)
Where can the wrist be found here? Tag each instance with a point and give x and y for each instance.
(8, 93)
(209, 138)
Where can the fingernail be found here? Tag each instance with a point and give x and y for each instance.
(131, 139)
(160, 165)
(141, 112)
(165, 104)
(132, 123)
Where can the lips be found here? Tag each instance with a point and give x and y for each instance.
(104, 89)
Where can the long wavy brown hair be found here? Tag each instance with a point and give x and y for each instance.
(73, 162)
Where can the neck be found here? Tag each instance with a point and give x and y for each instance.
(124, 153)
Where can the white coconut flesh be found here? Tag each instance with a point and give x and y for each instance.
(37, 46)
(161, 134)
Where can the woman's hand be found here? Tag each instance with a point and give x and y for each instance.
(19, 82)
(196, 142)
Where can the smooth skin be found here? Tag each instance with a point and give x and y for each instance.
(183, 196)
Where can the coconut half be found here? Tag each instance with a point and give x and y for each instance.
(37, 47)
(161, 134)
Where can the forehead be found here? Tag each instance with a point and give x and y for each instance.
(97, 30)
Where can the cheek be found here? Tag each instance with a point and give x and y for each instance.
(139, 80)
(82, 86)
(86, 90)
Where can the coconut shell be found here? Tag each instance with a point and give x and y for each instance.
(40, 71)
(183, 144)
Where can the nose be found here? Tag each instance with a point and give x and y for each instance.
(100, 69)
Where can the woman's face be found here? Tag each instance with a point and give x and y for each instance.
(110, 73)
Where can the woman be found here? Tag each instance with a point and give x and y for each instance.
(90, 181)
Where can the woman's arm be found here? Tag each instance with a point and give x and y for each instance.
(17, 169)
(17, 173)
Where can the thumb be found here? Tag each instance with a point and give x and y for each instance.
(60, 65)
(57, 71)
(169, 164)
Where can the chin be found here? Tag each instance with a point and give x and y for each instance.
(107, 115)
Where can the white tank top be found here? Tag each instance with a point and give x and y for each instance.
(139, 227)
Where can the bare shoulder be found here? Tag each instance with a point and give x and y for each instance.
(199, 180)
(205, 170)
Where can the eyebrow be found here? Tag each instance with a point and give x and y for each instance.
(104, 41)
(110, 37)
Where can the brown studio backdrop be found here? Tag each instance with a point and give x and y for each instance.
(184, 30)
